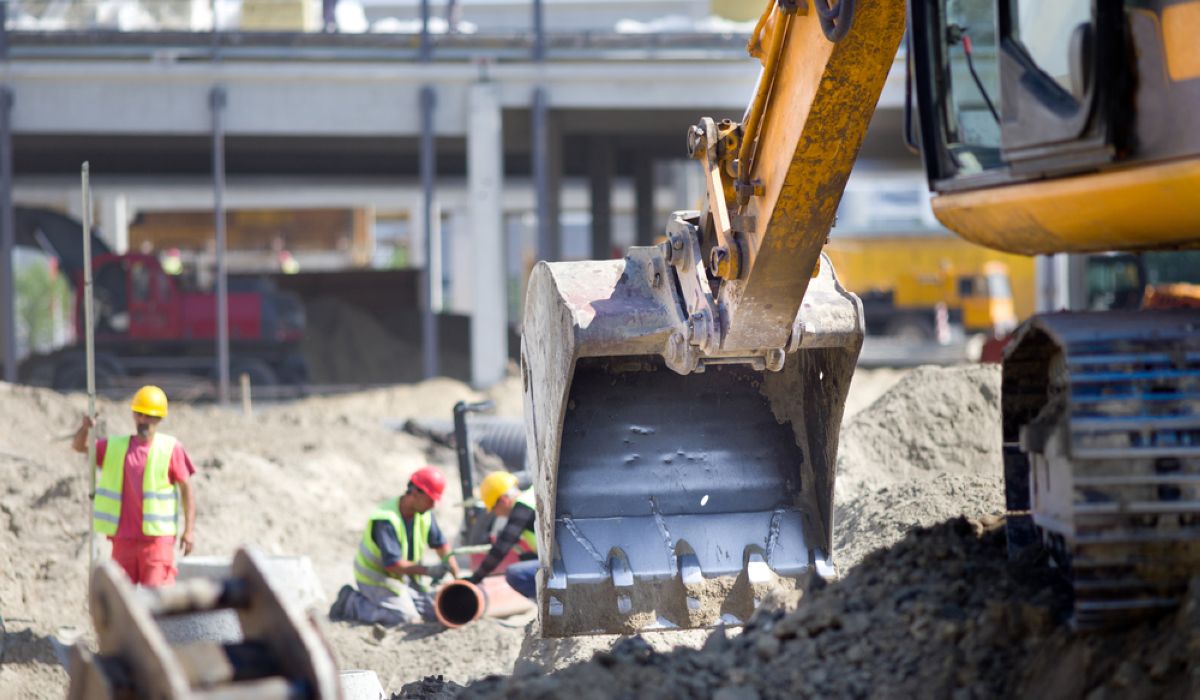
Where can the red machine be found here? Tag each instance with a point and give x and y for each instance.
(150, 322)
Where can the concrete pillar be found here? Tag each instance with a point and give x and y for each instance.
(547, 176)
(1052, 273)
(601, 164)
(485, 184)
(114, 221)
(458, 240)
(431, 220)
(217, 104)
(8, 235)
(643, 186)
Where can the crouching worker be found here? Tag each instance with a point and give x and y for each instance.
(388, 568)
(501, 496)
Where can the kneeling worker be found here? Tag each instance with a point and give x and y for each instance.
(388, 562)
(501, 496)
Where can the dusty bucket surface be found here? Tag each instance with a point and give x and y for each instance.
(459, 603)
(672, 497)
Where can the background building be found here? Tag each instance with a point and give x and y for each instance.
(526, 130)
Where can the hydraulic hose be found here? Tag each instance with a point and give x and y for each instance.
(836, 18)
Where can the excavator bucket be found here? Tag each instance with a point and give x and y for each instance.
(669, 499)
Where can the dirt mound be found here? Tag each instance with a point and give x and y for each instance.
(344, 344)
(942, 614)
(398, 655)
(926, 450)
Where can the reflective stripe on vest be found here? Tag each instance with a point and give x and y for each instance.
(159, 503)
(529, 537)
(368, 561)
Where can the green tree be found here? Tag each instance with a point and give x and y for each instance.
(44, 302)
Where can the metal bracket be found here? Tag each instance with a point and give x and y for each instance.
(703, 332)
(706, 143)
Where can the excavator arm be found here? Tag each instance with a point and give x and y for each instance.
(683, 404)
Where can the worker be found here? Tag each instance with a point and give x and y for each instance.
(136, 504)
(501, 496)
(388, 565)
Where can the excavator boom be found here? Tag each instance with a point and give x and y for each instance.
(683, 404)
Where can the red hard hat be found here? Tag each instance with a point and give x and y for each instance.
(431, 481)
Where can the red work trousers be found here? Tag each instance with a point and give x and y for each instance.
(149, 562)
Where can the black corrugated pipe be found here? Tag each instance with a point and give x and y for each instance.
(836, 18)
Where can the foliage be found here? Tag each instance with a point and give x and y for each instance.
(44, 303)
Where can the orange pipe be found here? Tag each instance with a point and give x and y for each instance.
(459, 603)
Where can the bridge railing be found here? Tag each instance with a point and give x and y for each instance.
(333, 29)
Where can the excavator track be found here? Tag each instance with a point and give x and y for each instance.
(1102, 423)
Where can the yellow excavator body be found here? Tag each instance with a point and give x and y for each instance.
(1070, 127)
(1137, 208)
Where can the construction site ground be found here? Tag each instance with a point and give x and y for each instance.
(927, 604)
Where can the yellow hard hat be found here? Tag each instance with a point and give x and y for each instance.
(151, 401)
(494, 486)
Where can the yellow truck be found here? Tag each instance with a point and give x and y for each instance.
(903, 282)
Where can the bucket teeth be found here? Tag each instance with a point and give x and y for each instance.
(757, 570)
(824, 568)
(619, 571)
(689, 569)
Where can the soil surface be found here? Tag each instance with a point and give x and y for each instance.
(941, 614)
(296, 478)
(927, 604)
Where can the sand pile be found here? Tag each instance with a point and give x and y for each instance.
(345, 344)
(926, 450)
(941, 614)
(940, 611)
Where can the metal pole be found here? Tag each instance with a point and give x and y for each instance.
(217, 103)
(426, 50)
(215, 46)
(643, 186)
(3, 30)
(89, 335)
(600, 180)
(546, 239)
(8, 236)
(431, 277)
(539, 32)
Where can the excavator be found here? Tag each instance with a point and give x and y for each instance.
(682, 405)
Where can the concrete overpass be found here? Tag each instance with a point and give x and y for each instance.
(328, 109)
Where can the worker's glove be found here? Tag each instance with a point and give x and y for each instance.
(475, 579)
(437, 572)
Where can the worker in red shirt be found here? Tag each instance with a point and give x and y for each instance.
(136, 503)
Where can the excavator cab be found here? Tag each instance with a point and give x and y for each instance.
(682, 405)
(1069, 127)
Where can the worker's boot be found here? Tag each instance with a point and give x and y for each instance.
(337, 611)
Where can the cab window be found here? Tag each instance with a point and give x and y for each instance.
(139, 282)
(973, 86)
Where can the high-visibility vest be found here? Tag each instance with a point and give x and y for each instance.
(368, 562)
(529, 537)
(159, 507)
